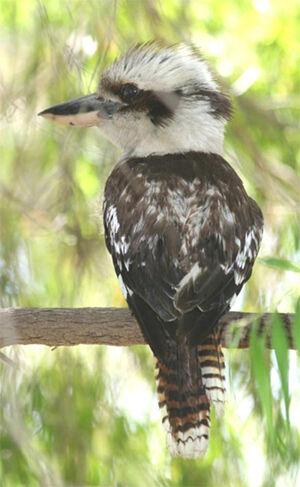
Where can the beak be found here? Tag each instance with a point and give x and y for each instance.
(85, 111)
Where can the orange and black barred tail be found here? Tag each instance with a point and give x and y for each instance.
(187, 383)
(184, 402)
(211, 361)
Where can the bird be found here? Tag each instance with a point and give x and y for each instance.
(181, 229)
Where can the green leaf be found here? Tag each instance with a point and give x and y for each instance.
(296, 327)
(261, 371)
(281, 264)
(281, 347)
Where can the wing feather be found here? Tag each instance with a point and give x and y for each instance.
(183, 234)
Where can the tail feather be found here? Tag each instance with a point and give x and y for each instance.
(212, 363)
(183, 401)
(188, 381)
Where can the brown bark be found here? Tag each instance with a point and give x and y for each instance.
(112, 326)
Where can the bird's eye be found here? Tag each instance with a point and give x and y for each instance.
(128, 92)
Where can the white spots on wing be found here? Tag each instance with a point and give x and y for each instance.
(227, 268)
(184, 199)
(240, 261)
(183, 207)
(139, 225)
(159, 217)
(126, 291)
(247, 252)
(200, 217)
(190, 276)
(222, 242)
(227, 215)
(151, 210)
(122, 286)
(248, 241)
(232, 300)
(213, 191)
(153, 189)
(121, 245)
(112, 220)
(238, 277)
(195, 240)
(184, 248)
(195, 218)
(164, 202)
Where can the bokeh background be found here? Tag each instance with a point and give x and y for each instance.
(87, 416)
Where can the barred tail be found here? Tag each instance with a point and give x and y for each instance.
(183, 401)
(187, 382)
(211, 360)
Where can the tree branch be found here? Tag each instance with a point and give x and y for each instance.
(113, 326)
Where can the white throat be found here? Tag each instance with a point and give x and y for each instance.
(191, 129)
(178, 139)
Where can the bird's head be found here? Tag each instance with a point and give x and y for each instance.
(153, 99)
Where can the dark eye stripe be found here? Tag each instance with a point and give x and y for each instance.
(158, 106)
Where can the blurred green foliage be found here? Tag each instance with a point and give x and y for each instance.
(88, 416)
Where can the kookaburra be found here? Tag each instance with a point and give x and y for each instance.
(181, 229)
